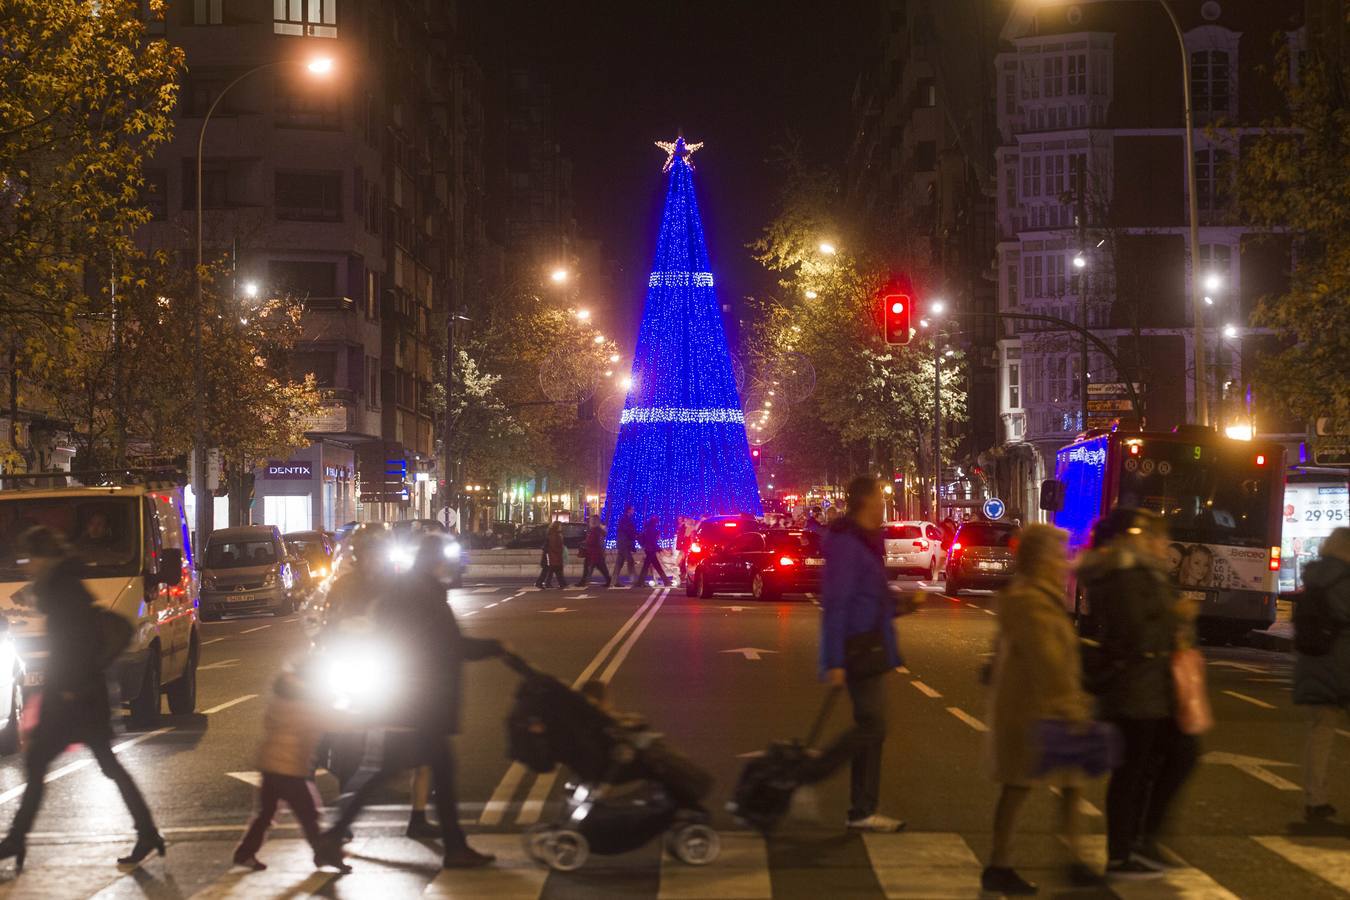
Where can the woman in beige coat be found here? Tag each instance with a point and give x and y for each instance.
(1037, 676)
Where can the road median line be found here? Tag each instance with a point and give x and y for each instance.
(227, 704)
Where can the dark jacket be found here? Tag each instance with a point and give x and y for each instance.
(855, 595)
(1134, 613)
(650, 540)
(626, 532)
(1325, 680)
(593, 547)
(554, 549)
(417, 619)
(353, 594)
(75, 691)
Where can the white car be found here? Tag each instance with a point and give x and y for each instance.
(914, 548)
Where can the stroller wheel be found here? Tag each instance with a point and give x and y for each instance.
(566, 850)
(694, 844)
(536, 840)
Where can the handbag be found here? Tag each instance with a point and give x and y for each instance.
(865, 655)
(1094, 747)
(1194, 715)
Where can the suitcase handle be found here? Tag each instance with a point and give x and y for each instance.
(823, 716)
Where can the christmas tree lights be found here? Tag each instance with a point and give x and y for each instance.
(682, 448)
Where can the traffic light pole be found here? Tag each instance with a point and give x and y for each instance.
(937, 430)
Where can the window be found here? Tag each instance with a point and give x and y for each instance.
(1210, 176)
(1033, 276)
(1059, 379)
(306, 18)
(1014, 385)
(1012, 284)
(1030, 78)
(207, 12)
(1052, 76)
(302, 106)
(216, 193)
(373, 378)
(925, 156)
(1054, 175)
(309, 196)
(200, 92)
(155, 193)
(927, 92)
(303, 278)
(1218, 259)
(1076, 83)
(1211, 93)
(372, 296)
(1010, 93)
(322, 364)
(1031, 176)
(1054, 275)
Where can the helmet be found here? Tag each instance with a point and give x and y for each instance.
(1126, 520)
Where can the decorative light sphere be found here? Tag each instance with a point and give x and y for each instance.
(250, 288)
(1213, 282)
(937, 307)
(1230, 331)
(1079, 261)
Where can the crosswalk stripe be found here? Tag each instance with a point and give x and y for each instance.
(485, 590)
(741, 872)
(933, 865)
(1189, 883)
(1326, 857)
(514, 876)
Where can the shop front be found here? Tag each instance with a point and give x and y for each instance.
(312, 490)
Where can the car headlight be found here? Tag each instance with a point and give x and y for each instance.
(319, 571)
(270, 578)
(400, 556)
(452, 550)
(358, 675)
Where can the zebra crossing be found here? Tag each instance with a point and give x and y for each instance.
(906, 866)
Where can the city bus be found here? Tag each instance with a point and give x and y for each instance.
(1222, 500)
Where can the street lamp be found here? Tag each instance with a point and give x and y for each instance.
(320, 67)
(599, 339)
(936, 309)
(811, 295)
(559, 276)
(1079, 261)
(1230, 331)
(614, 357)
(827, 248)
(251, 289)
(1213, 282)
(583, 314)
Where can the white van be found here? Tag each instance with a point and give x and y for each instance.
(133, 540)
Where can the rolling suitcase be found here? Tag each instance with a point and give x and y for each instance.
(764, 790)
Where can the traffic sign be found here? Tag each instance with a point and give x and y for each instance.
(993, 508)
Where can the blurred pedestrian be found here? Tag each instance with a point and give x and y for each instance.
(1139, 621)
(423, 709)
(74, 706)
(1036, 680)
(813, 523)
(593, 554)
(1322, 665)
(650, 541)
(858, 646)
(625, 535)
(293, 725)
(552, 557)
(684, 537)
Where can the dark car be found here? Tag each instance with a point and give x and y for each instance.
(317, 549)
(715, 533)
(768, 564)
(532, 538)
(980, 556)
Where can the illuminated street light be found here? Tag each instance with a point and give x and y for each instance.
(1079, 261)
(811, 295)
(320, 65)
(937, 307)
(583, 314)
(827, 248)
(599, 339)
(250, 289)
(614, 357)
(558, 275)
(1209, 301)
(627, 383)
(1230, 331)
(1213, 282)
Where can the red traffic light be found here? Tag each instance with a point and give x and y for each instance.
(896, 328)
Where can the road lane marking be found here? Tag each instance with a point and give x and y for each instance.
(513, 877)
(1187, 882)
(1323, 857)
(967, 718)
(533, 806)
(223, 664)
(923, 865)
(1252, 700)
(902, 670)
(752, 653)
(925, 689)
(259, 628)
(227, 704)
(559, 609)
(1245, 667)
(1254, 766)
(1343, 733)
(79, 764)
(988, 612)
(212, 641)
(501, 797)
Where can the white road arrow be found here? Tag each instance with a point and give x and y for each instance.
(750, 652)
(560, 609)
(1254, 766)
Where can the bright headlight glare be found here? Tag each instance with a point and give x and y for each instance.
(452, 550)
(399, 556)
(359, 676)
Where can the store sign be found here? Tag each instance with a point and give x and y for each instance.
(1312, 511)
(288, 471)
(336, 473)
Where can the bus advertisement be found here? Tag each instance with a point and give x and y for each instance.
(1222, 500)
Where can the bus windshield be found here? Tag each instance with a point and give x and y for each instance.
(103, 531)
(1206, 495)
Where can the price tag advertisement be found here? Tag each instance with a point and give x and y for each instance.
(1311, 512)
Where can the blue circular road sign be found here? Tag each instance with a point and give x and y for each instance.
(994, 508)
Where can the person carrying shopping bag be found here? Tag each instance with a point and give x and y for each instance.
(1036, 698)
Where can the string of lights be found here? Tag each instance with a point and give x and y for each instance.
(682, 448)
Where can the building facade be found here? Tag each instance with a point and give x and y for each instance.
(1092, 217)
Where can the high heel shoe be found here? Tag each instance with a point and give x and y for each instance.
(14, 847)
(144, 844)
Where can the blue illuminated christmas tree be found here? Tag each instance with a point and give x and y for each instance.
(682, 449)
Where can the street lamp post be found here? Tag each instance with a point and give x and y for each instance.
(319, 66)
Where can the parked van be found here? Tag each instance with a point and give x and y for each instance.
(133, 541)
(247, 569)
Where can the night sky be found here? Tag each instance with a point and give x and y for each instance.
(741, 76)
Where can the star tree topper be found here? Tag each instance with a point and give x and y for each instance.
(678, 150)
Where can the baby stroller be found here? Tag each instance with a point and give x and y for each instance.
(630, 786)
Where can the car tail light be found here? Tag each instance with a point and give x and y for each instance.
(730, 524)
(695, 548)
(1274, 559)
(786, 561)
(956, 546)
(920, 545)
(1260, 459)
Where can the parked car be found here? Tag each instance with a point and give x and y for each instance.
(532, 538)
(133, 540)
(914, 548)
(980, 556)
(317, 549)
(247, 569)
(767, 564)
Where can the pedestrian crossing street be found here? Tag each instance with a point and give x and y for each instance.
(913, 866)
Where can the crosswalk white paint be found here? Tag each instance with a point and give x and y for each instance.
(932, 866)
(514, 876)
(1176, 884)
(1327, 858)
(741, 872)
